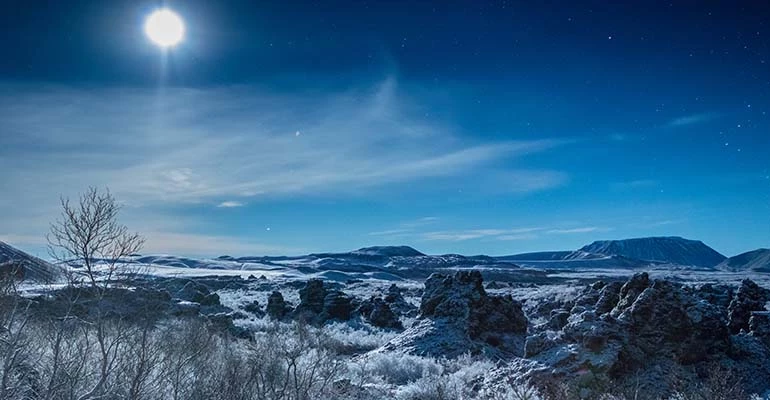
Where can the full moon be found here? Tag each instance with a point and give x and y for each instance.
(164, 27)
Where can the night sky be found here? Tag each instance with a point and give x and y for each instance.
(454, 127)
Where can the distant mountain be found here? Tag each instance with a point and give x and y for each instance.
(16, 262)
(389, 251)
(668, 249)
(756, 261)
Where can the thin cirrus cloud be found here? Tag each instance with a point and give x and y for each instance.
(180, 145)
(195, 145)
(230, 204)
(692, 119)
(583, 229)
(527, 233)
(494, 234)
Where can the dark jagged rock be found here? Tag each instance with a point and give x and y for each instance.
(211, 299)
(630, 291)
(665, 316)
(458, 316)
(463, 296)
(719, 295)
(336, 305)
(377, 312)
(277, 308)
(646, 329)
(759, 324)
(393, 294)
(311, 299)
(398, 304)
(559, 319)
(749, 297)
(608, 297)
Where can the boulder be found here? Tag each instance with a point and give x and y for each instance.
(377, 312)
(397, 303)
(336, 305)
(277, 308)
(457, 316)
(311, 299)
(749, 297)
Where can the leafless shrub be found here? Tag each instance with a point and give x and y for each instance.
(90, 232)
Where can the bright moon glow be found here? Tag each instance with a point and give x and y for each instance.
(164, 27)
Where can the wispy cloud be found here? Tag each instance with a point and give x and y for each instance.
(583, 229)
(651, 223)
(391, 232)
(420, 222)
(692, 119)
(503, 234)
(495, 234)
(159, 149)
(193, 145)
(230, 204)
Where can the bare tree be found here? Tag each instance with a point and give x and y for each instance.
(89, 231)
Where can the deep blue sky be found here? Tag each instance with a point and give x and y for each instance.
(465, 127)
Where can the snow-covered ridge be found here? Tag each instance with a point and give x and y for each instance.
(755, 261)
(17, 262)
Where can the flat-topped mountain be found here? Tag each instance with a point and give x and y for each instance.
(666, 249)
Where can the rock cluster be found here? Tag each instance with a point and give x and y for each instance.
(646, 330)
(457, 316)
(319, 304)
(462, 296)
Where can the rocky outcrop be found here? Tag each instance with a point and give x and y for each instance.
(646, 330)
(337, 305)
(311, 298)
(317, 304)
(462, 296)
(458, 316)
(398, 304)
(749, 298)
(378, 312)
(277, 307)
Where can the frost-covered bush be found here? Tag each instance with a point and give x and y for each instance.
(513, 392)
(398, 368)
(356, 337)
(414, 377)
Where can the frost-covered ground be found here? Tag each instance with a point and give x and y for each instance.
(404, 362)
